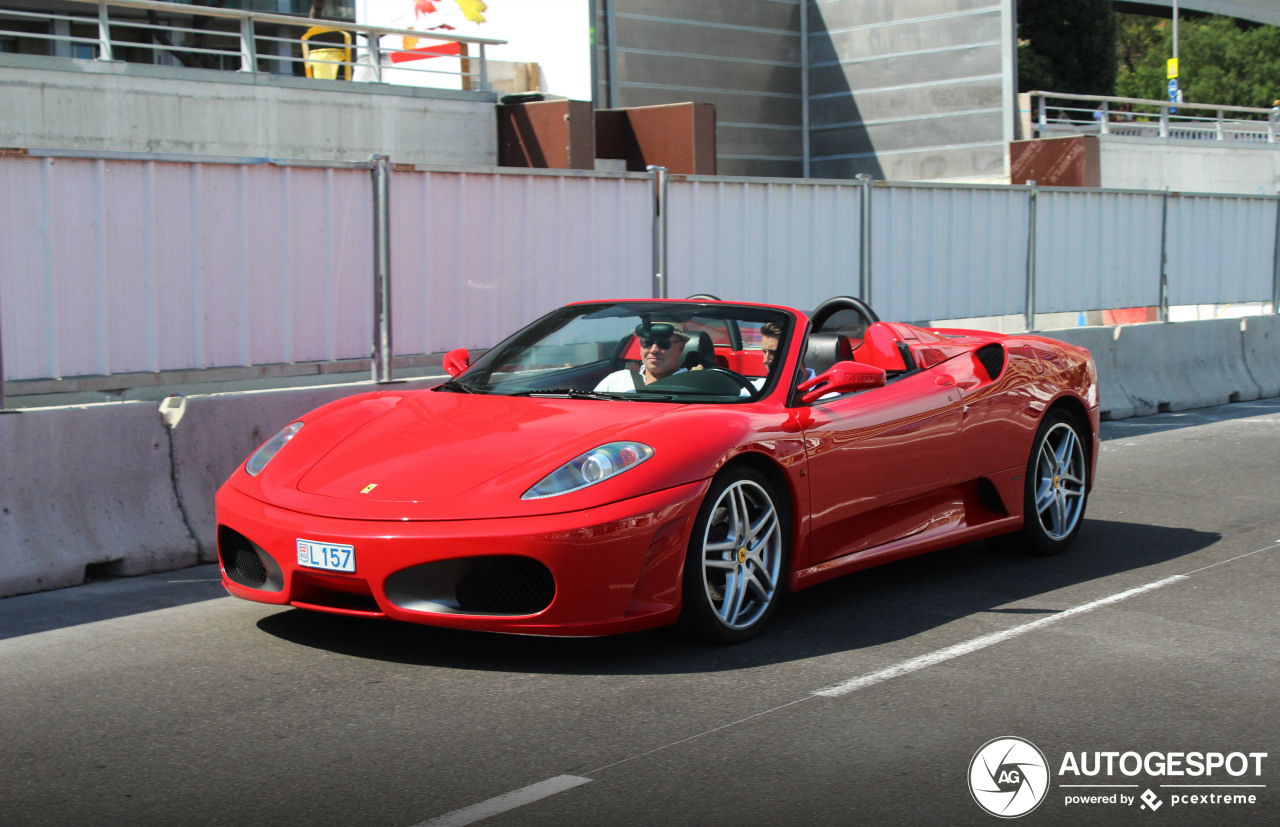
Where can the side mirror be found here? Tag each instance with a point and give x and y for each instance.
(843, 377)
(456, 361)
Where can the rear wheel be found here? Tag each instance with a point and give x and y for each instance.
(1057, 486)
(735, 562)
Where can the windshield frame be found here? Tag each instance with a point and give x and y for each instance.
(578, 381)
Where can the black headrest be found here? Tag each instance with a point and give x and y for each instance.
(699, 351)
(825, 349)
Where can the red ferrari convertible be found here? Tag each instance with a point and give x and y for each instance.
(620, 465)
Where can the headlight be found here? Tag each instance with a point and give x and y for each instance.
(596, 465)
(259, 458)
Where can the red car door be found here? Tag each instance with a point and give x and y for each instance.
(881, 462)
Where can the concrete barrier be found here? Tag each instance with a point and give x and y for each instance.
(1262, 352)
(217, 432)
(87, 491)
(1183, 365)
(110, 489)
(1101, 342)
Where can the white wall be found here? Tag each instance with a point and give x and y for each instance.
(96, 106)
(1138, 164)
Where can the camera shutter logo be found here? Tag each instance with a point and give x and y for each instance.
(1008, 777)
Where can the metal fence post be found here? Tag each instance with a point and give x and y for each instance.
(381, 268)
(104, 34)
(248, 46)
(1275, 275)
(1, 357)
(1033, 196)
(375, 55)
(1164, 257)
(659, 230)
(864, 258)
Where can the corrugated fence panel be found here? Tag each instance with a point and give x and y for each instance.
(477, 255)
(112, 266)
(1097, 250)
(26, 320)
(948, 252)
(774, 242)
(283, 261)
(116, 266)
(1221, 249)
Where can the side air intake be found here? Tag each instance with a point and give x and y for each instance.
(992, 358)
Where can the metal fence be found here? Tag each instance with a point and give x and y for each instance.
(1056, 113)
(151, 31)
(118, 265)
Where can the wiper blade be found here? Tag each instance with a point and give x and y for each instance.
(569, 393)
(457, 387)
(575, 393)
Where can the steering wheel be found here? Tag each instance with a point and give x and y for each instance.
(823, 312)
(743, 382)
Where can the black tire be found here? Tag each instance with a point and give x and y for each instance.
(1056, 488)
(735, 566)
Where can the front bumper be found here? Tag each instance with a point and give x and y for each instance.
(606, 570)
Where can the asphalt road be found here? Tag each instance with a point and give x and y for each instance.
(159, 700)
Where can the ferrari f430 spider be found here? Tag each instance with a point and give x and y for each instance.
(621, 465)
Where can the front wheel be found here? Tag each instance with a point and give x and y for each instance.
(735, 563)
(1057, 488)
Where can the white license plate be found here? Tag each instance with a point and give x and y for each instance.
(326, 556)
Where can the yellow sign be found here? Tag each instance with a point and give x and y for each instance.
(1172, 67)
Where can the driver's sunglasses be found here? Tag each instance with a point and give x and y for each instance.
(663, 344)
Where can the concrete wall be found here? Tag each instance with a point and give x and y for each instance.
(55, 103)
(1136, 163)
(1261, 11)
(743, 56)
(113, 488)
(911, 91)
(905, 91)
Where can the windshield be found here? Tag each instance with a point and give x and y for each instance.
(686, 352)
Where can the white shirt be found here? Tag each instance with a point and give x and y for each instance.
(760, 380)
(622, 381)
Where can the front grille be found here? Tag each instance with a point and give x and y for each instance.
(992, 358)
(505, 586)
(245, 562)
(249, 567)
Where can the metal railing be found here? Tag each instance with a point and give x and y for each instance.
(248, 41)
(1054, 113)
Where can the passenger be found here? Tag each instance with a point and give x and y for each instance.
(661, 345)
(770, 338)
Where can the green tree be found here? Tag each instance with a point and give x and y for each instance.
(1220, 60)
(1067, 46)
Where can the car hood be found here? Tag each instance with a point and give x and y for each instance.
(433, 455)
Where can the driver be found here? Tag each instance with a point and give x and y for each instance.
(661, 346)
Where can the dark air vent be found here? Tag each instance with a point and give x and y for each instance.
(992, 358)
(506, 586)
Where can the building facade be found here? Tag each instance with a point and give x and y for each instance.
(920, 90)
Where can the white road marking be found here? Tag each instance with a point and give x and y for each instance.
(933, 658)
(509, 801)
(543, 789)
